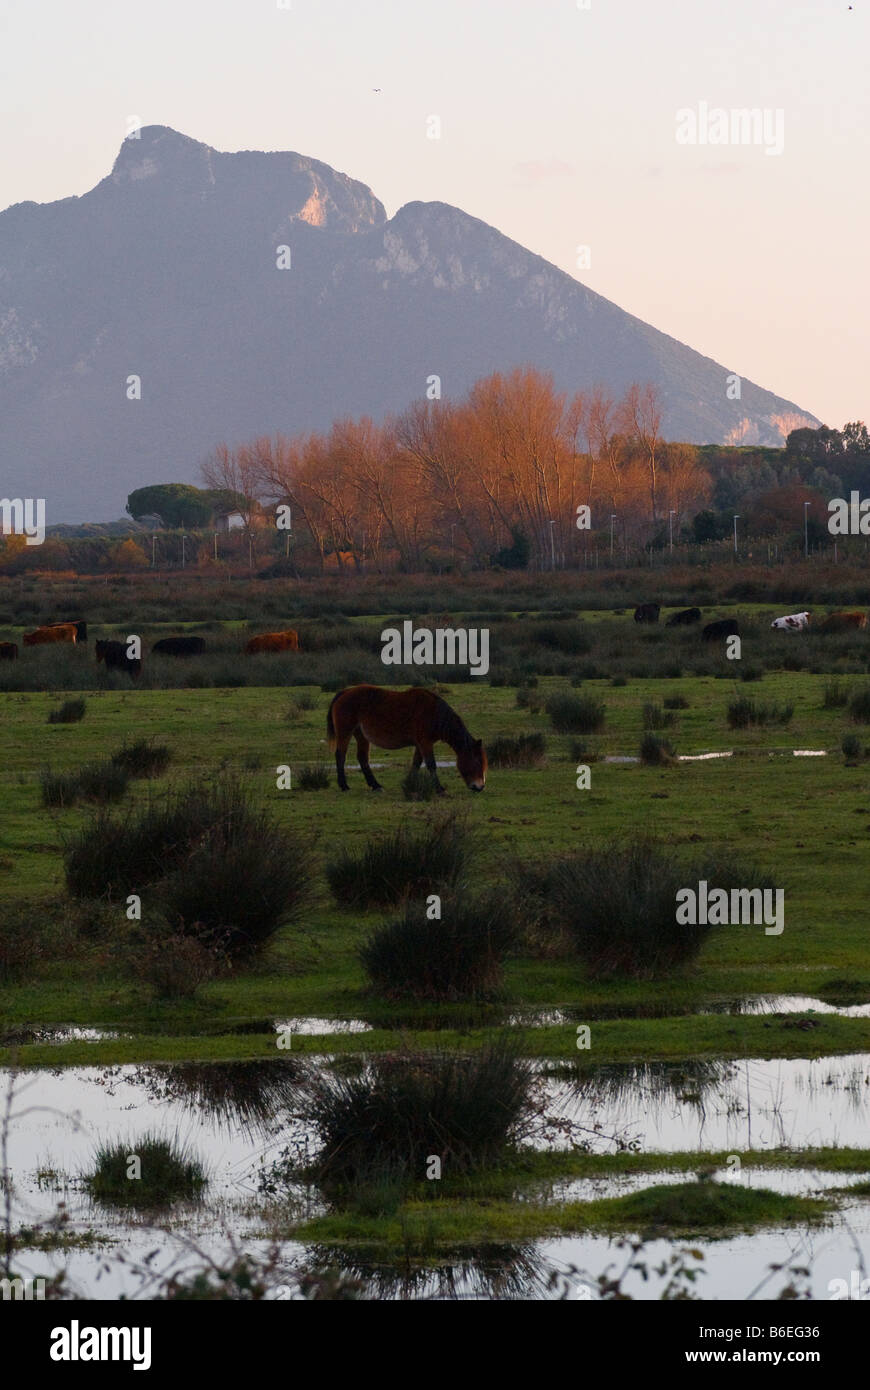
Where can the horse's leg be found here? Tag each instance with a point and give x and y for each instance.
(417, 759)
(362, 748)
(340, 754)
(427, 752)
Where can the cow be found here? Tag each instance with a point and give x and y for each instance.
(43, 636)
(647, 613)
(114, 654)
(8, 651)
(684, 617)
(79, 624)
(179, 646)
(273, 642)
(841, 622)
(794, 622)
(725, 627)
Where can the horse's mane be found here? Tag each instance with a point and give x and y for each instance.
(448, 727)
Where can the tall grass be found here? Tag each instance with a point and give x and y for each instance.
(576, 714)
(387, 1121)
(409, 862)
(457, 957)
(70, 712)
(168, 1171)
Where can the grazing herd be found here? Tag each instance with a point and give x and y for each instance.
(729, 627)
(115, 655)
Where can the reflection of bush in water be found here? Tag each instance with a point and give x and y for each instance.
(247, 1094)
(696, 1081)
(486, 1271)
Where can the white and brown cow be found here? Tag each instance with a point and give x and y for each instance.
(794, 622)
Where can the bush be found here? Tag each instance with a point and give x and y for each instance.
(22, 943)
(618, 904)
(654, 717)
(859, 706)
(410, 862)
(527, 698)
(314, 777)
(458, 957)
(384, 1123)
(175, 966)
(101, 782)
(575, 714)
(836, 695)
(745, 713)
(223, 871)
(418, 785)
(70, 712)
(143, 759)
(656, 752)
(851, 746)
(675, 702)
(525, 751)
(169, 1171)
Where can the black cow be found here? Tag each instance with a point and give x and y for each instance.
(179, 646)
(114, 654)
(79, 624)
(726, 627)
(684, 618)
(647, 613)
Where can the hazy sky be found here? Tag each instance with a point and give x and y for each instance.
(558, 127)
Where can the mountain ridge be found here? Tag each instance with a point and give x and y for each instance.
(166, 269)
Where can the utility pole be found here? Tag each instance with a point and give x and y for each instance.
(552, 544)
(806, 531)
(736, 519)
(671, 516)
(612, 519)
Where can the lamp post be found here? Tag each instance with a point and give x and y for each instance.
(612, 519)
(736, 519)
(183, 554)
(671, 516)
(807, 506)
(552, 545)
(215, 545)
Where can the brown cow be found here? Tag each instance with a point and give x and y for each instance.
(841, 622)
(8, 651)
(273, 642)
(64, 632)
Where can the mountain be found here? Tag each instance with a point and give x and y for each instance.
(167, 270)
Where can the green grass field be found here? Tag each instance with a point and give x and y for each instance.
(804, 820)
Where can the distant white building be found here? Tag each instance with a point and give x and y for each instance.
(229, 521)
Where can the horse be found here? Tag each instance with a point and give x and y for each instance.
(415, 718)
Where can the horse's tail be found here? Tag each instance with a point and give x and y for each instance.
(330, 723)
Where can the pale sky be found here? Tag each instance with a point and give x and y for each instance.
(558, 128)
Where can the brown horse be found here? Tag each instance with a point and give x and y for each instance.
(415, 718)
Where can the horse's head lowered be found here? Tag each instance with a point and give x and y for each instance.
(471, 765)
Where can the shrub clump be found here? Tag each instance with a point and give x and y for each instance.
(457, 957)
(410, 862)
(169, 1172)
(143, 758)
(576, 714)
(655, 717)
(745, 713)
(221, 869)
(70, 712)
(100, 782)
(386, 1121)
(314, 777)
(418, 785)
(859, 706)
(619, 905)
(656, 752)
(527, 750)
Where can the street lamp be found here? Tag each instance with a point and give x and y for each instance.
(736, 519)
(671, 516)
(612, 519)
(807, 506)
